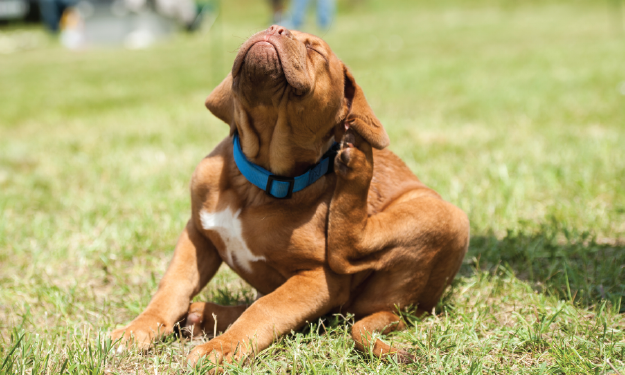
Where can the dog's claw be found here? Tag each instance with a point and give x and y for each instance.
(404, 357)
(349, 139)
(193, 325)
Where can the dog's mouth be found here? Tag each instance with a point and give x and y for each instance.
(267, 59)
(262, 63)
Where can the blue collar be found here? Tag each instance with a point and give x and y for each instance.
(277, 186)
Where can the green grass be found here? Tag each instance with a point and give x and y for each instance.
(514, 111)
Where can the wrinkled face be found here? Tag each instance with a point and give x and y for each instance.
(287, 96)
(278, 60)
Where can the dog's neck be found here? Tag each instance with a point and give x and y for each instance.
(287, 161)
(279, 151)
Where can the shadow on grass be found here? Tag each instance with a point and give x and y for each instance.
(568, 264)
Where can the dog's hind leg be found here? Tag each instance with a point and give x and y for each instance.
(380, 322)
(210, 318)
(416, 230)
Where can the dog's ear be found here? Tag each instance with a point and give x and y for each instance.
(360, 116)
(221, 103)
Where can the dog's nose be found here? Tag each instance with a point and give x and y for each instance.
(279, 30)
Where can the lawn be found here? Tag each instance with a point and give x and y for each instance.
(514, 111)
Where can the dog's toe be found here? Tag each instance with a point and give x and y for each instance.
(345, 157)
(193, 326)
(404, 357)
(349, 140)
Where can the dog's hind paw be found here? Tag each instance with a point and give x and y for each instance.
(354, 160)
(404, 357)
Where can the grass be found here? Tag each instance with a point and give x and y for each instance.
(514, 111)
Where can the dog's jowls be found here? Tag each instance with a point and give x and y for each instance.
(364, 240)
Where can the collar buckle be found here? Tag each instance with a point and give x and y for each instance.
(272, 178)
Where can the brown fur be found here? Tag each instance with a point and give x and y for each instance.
(364, 240)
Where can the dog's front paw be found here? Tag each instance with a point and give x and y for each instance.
(140, 333)
(354, 161)
(216, 351)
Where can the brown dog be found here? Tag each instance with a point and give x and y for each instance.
(364, 240)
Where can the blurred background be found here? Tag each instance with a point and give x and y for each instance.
(512, 110)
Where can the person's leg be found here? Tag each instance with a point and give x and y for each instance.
(184, 11)
(325, 13)
(278, 10)
(51, 14)
(298, 13)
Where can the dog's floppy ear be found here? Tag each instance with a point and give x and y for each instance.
(221, 103)
(360, 116)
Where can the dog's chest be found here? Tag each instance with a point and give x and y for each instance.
(227, 224)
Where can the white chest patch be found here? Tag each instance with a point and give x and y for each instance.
(228, 225)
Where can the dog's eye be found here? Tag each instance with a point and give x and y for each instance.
(310, 48)
(297, 92)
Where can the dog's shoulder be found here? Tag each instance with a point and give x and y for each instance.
(212, 171)
(211, 180)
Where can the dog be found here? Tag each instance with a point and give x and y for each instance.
(314, 225)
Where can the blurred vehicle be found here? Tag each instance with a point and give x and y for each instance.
(19, 10)
(133, 23)
(105, 22)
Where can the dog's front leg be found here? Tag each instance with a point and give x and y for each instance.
(195, 262)
(303, 298)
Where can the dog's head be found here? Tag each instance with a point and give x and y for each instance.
(289, 96)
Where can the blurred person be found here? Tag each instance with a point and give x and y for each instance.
(72, 29)
(184, 11)
(325, 13)
(278, 11)
(52, 11)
